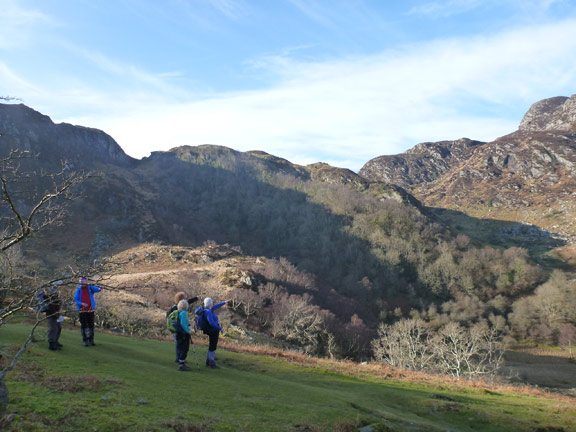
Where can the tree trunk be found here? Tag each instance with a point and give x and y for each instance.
(3, 397)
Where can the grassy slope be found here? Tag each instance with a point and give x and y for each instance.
(133, 384)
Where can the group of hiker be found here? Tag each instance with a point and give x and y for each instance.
(205, 320)
(177, 318)
(50, 303)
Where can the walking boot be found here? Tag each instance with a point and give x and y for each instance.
(90, 336)
(84, 337)
(183, 367)
(211, 360)
(52, 346)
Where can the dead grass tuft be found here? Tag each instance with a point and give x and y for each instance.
(180, 426)
(78, 384)
(30, 372)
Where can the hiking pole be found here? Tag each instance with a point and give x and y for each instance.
(194, 354)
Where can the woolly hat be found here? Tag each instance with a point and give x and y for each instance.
(208, 302)
(83, 280)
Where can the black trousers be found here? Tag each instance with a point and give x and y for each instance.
(182, 346)
(87, 325)
(213, 336)
(54, 328)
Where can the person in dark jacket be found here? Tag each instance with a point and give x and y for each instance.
(179, 296)
(52, 304)
(84, 299)
(183, 336)
(212, 329)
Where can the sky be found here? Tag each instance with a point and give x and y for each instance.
(335, 81)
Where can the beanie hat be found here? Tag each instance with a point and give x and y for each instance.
(208, 302)
(83, 279)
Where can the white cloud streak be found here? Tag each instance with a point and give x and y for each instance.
(17, 24)
(342, 112)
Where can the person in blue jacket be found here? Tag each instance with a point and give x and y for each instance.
(84, 299)
(212, 329)
(183, 335)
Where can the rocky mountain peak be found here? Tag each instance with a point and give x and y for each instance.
(23, 128)
(553, 114)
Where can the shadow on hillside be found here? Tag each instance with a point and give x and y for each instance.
(541, 370)
(167, 200)
(502, 233)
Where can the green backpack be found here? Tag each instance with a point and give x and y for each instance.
(173, 322)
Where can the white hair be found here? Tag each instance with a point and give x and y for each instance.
(208, 302)
(182, 305)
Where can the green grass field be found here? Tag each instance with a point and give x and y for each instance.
(130, 384)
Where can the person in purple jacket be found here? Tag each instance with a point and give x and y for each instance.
(212, 328)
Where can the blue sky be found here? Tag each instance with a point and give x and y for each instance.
(337, 81)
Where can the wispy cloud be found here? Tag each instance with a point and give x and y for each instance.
(343, 112)
(314, 11)
(18, 23)
(231, 8)
(445, 8)
(355, 109)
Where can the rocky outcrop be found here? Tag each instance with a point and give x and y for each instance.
(423, 163)
(23, 128)
(253, 162)
(325, 173)
(528, 175)
(553, 114)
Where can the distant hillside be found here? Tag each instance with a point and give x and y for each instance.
(528, 176)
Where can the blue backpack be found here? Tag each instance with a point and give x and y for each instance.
(42, 304)
(200, 319)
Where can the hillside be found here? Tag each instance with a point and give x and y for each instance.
(352, 253)
(131, 384)
(527, 176)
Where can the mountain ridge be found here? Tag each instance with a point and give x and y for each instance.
(528, 176)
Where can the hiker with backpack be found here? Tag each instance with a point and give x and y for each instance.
(179, 323)
(84, 299)
(179, 296)
(207, 321)
(50, 303)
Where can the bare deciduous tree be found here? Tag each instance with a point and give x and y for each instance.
(30, 201)
(299, 322)
(453, 350)
(404, 344)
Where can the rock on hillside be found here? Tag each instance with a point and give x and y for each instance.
(553, 114)
(253, 162)
(325, 173)
(25, 129)
(423, 163)
(526, 176)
